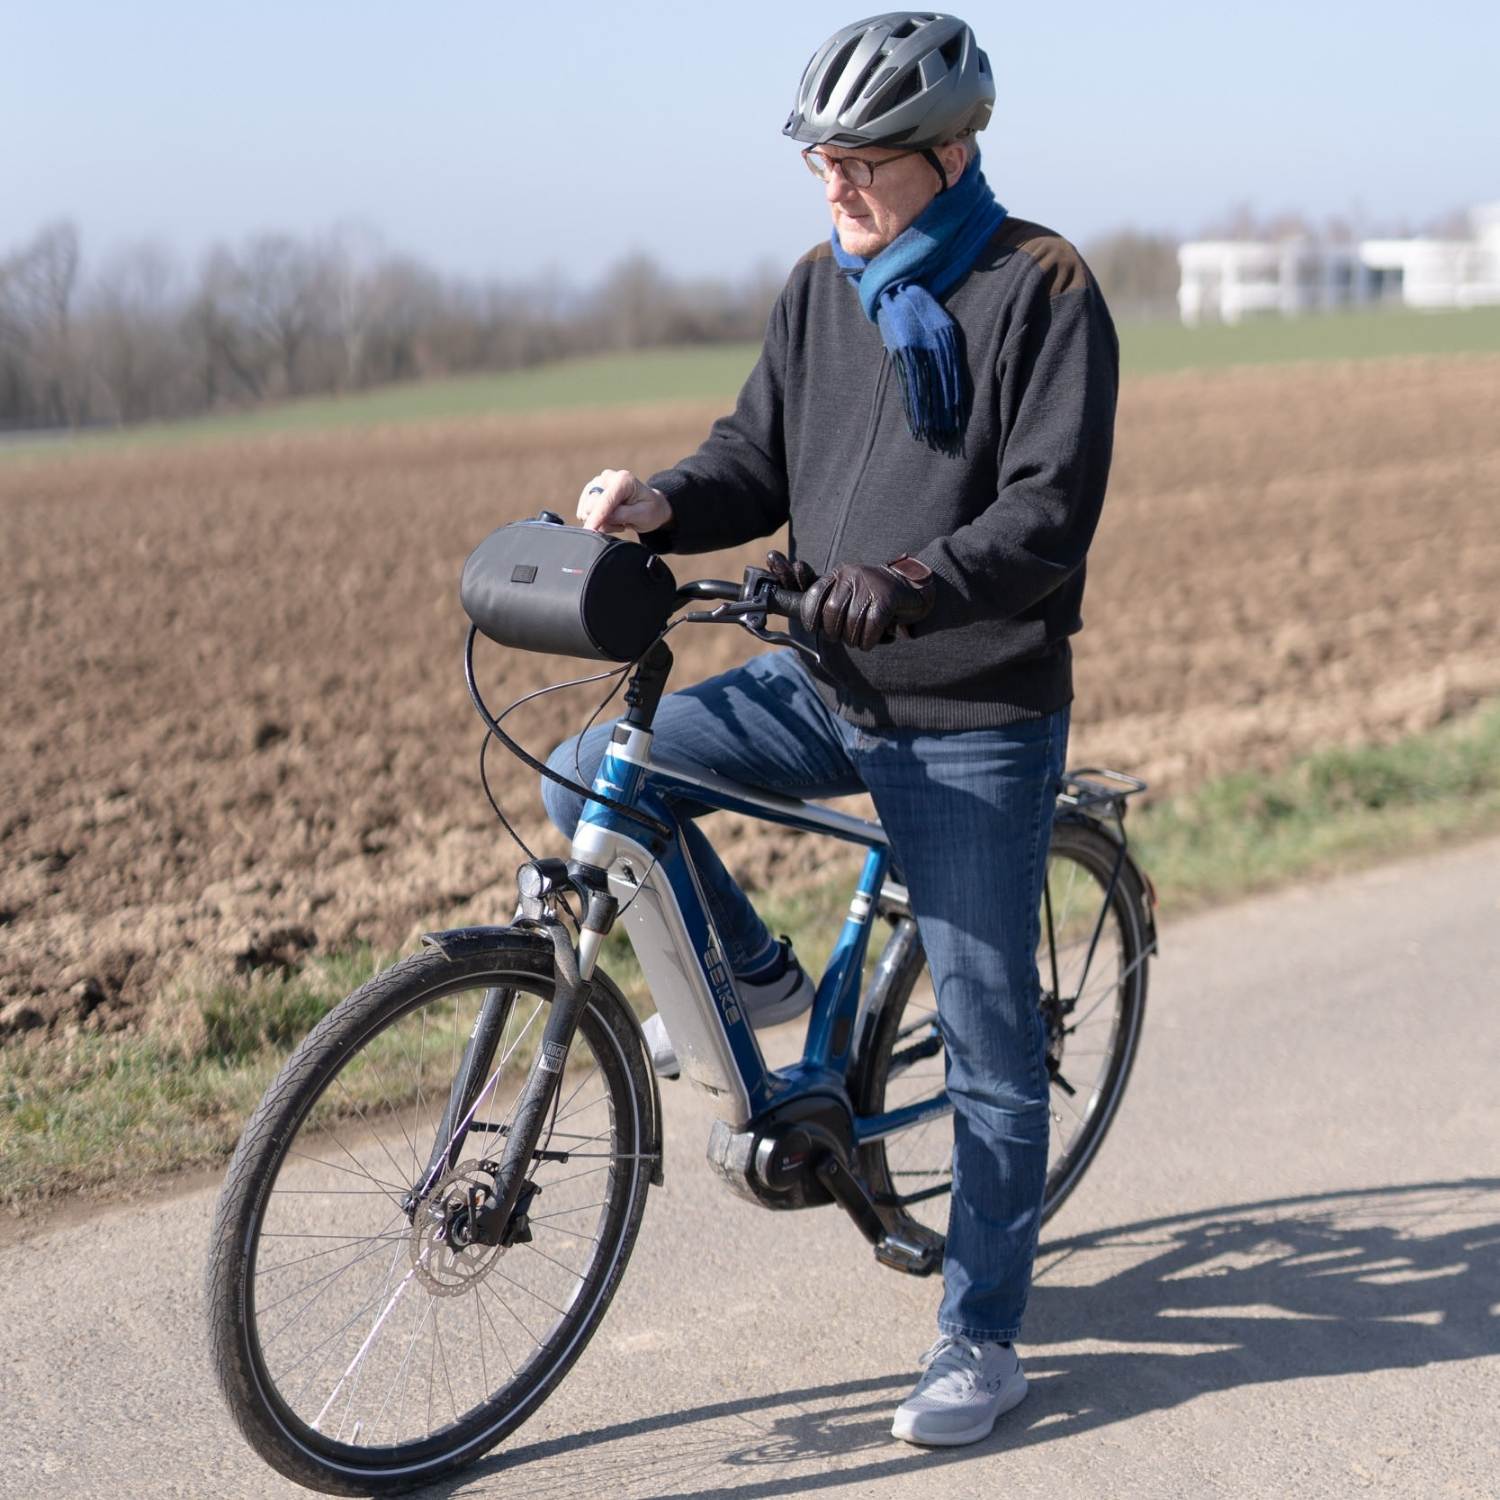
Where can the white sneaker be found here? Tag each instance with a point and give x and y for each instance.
(964, 1387)
(768, 1003)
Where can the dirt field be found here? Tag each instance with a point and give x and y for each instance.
(236, 730)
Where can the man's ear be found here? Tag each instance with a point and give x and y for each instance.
(954, 158)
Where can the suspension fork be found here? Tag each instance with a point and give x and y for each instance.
(494, 1016)
(569, 997)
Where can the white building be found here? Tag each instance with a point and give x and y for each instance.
(1227, 280)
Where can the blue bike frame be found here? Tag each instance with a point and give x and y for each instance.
(680, 952)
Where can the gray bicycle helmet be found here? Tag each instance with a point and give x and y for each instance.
(907, 78)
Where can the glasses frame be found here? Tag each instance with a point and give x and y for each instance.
(838, 164)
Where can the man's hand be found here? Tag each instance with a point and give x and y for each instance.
(615, 499)
(860, 604)
(796, 577)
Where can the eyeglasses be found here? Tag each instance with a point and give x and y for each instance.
(857, 171)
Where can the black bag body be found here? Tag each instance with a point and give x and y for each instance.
(543, 586)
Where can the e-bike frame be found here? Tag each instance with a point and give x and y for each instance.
(672, 931)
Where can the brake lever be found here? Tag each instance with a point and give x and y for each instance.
(750, 615)
(781, 638)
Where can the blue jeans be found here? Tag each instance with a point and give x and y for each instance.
(969, 817)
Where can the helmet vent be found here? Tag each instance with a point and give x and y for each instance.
(952, 50)
(908, 88)
(834, 71)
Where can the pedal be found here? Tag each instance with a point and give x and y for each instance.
(913, 1249)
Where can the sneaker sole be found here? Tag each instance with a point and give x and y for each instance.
(905, 1427)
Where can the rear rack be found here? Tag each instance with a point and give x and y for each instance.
(1098, 790)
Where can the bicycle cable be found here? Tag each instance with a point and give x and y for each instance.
(657, 828)
(489, 735)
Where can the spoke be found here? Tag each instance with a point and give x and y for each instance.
(286, 1265)
(400, 1376)
(389, 1095)
(332, 1192)
(537, 1296)
(489, 1318)
(484, 1372)
(602, 1099)
(359, 1376)
(557, 1213)
(390, 1188)
(506, 1305)
(421, 1108)
(1109, 982)
(334, 1274)
(557, 1182)
(298, 1234)
(338, 1078)
(431, 1364)
(1072, 881)
(592, 1239)
(443, 1355)
(301, 1359)
(592, 1072)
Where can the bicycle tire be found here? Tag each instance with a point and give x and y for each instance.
(912, 1170)
(291, 1151)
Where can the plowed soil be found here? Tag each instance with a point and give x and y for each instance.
(236, 730)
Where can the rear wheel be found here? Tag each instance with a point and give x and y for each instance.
(364, 1346)
(1091, 960)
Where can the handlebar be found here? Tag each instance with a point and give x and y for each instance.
(747, 604)
(773, 601)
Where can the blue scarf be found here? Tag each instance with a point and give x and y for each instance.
(899, 290)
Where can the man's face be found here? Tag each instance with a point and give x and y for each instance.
(869, 218)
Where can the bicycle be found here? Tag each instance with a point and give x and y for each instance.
(475, 1130)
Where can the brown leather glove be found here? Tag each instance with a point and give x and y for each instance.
(787, 574)
(861, 604)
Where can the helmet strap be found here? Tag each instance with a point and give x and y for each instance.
(937, 166)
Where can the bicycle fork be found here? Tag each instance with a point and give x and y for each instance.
(499, 1217)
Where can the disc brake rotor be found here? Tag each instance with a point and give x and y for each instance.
(445, 1261)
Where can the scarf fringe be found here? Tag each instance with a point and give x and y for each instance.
(934, 393)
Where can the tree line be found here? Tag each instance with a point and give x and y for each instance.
(278, 316)
(140, 339)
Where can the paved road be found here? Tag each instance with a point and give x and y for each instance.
(1282, 1277)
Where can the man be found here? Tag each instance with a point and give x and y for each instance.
(932, 415)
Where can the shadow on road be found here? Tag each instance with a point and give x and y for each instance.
(1163, 1310)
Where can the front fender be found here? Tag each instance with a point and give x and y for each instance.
(460, 942)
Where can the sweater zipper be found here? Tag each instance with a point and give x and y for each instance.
(864, 463)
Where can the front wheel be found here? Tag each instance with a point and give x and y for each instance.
(363, 1344)
(1091, 960)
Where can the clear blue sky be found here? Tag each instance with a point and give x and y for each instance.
(503, 138)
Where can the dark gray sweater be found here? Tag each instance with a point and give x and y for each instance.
(819, 437)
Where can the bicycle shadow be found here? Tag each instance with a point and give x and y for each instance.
(1340, 1283)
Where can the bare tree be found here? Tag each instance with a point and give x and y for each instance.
(39, 283)
(132, 338)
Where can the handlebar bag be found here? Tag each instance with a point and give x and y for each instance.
(543, 586)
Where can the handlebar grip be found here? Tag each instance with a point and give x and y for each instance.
(786, 602)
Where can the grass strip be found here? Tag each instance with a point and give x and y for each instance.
(1328, 812)
(716, 372)
(110, 1112)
